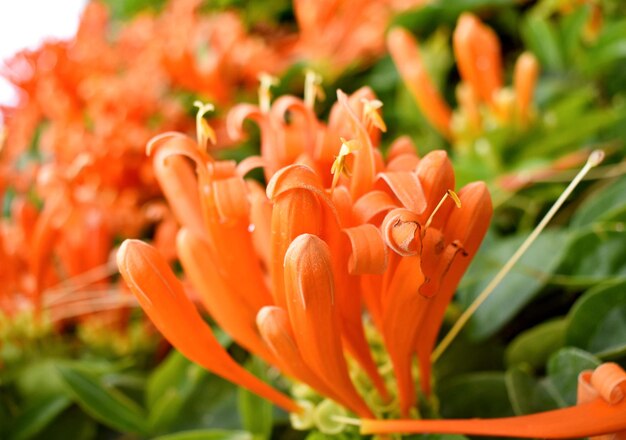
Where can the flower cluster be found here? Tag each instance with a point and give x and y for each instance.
(340, 239)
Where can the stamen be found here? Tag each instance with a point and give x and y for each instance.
(339, 165)
(313, 88)
(455, 199)
(204, 131)
(371, 116)
(346, 420)
(265, 94)
(594, 159)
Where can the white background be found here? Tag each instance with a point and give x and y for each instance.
(26, 23)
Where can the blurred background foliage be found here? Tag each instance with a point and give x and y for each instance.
(560, 311)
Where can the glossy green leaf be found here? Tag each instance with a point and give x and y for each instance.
(474, 395)
(535, 345)
(255, 412)
(207, 434)
(563, 370)
(169, 387)
(33, 420)
(517, 289)
(606, 203)
(595, 255)
(107, 405)
(527, 394)
(597, 322)
(182, 396)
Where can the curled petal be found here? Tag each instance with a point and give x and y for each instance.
(436, 176)
(238, 115)
(407, 188)
(372, 206)
(610, 381)
(248, 164)
(369, 253)
(222, 169)
(162, 297)
(176, 178)
(401, 231)
(585, 391)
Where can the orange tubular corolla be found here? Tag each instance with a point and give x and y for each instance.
(162, 297)
(405, 53)
(288, 271)
(601, 411)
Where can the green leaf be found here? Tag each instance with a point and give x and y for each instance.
(71, 424)
(563, 370)
(527, 394)
(255, 412)
(39, 380)
(207, 434)
(517, 289)
(106, 405)
(606, 203)
(474, 395)
(597, 322)
(535, 345)
(595, 255)
(169, 387)
(542, 39)
(33, 420)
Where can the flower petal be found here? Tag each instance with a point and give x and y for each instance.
(369, 253)
(309, 288)
(236, 315)
(162, 297)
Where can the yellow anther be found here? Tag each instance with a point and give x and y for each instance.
(339, 165)
(371, 115)
(455, 199)
(313, 88)
(267, 81)
(204, 131)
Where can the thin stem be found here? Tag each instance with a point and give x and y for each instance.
(594, 159)
(346, 420)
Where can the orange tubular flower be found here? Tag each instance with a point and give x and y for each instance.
(405, 54)
(481, 95)
(287, 271)
(601, 410)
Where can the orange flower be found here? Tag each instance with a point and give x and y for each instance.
(481, 94)
(601, 411)
(287, 271)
